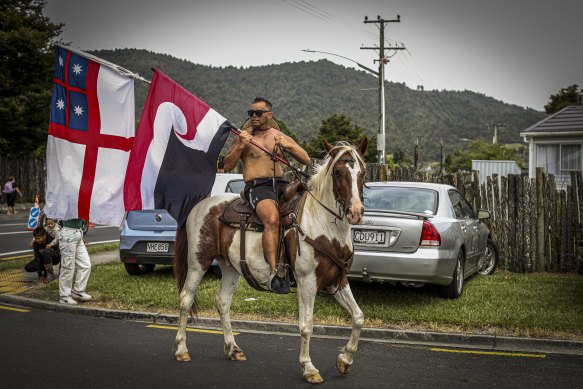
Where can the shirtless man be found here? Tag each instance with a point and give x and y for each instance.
(262, 175)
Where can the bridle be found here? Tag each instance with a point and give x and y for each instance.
(338, 216)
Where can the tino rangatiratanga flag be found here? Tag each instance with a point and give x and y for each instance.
(173, 161)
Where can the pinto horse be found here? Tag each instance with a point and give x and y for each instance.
(337, 185)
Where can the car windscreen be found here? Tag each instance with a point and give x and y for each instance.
(235, 186)
(400, 199)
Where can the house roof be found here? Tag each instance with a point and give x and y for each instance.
(567, 121)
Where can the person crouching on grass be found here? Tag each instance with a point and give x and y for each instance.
(46, 255)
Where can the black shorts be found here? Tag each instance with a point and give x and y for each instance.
(10, 199)
(262, 189)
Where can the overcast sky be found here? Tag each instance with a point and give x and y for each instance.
(517, 51)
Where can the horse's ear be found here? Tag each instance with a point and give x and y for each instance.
(363, 146)
(327, 146)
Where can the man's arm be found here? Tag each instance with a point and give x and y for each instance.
(236, 149)
(293, 148)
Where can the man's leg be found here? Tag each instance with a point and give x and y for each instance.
(67, 243)
(46, 255)
(83, 267)
(269, 215)
(39, 266)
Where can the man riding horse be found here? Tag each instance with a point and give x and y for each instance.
(263, 177)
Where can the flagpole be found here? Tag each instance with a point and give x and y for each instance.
(121, 71)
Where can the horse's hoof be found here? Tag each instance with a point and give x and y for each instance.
(238, 355)
(183, 357)
(313, 378)
(342, 366)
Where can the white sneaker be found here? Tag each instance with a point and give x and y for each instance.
(80, 296)
(68, 300)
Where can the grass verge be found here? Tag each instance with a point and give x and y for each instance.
(539, 305)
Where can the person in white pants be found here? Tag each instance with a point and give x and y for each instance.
(74, 256)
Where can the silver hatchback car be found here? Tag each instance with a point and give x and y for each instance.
(147, 237)
(416, 233)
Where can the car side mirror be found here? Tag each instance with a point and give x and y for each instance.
(483, 214)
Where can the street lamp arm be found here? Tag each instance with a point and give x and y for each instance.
(341, 56)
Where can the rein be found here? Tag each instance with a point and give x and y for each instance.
(337, 216)
(343, 264)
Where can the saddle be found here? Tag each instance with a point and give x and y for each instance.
(240, 214)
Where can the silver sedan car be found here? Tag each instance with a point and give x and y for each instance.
(416, 233)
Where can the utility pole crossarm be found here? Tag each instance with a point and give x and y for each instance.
(385, 48)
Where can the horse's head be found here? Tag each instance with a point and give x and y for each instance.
(348, 169)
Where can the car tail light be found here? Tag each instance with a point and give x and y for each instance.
(429, 235)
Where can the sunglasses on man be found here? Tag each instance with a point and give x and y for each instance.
(256, 112)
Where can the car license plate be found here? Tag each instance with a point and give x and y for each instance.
(157, 247)
(372, 237)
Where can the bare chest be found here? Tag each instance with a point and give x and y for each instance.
(265, 139)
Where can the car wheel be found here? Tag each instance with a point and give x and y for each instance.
(135, 269)
(456, 287)
(490, 259)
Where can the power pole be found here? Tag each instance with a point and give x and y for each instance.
(497, 126)
(382, 61)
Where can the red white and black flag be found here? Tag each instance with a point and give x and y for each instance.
(173, 160)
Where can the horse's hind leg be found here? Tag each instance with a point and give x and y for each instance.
(223, 299)
(187, 293)
(306, 298)
(346, 299)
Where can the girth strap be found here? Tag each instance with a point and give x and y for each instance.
(251, 280)
(344, 265)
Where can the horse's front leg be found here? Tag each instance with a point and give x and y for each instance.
(306, 297)
(187, 294)
(346, 299)
(223, 299)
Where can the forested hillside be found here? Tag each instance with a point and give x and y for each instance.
(305, 93)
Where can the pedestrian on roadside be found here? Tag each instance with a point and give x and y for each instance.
(11, 190)
(75, 263)
(46, 255)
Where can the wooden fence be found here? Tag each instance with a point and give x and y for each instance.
(536, 227)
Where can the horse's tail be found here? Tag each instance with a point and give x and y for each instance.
(180, 258)
(180, 264)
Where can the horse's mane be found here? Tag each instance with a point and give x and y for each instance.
(322, 179)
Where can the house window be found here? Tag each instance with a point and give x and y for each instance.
(559, 160)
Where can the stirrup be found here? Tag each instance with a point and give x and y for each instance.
(281, 285)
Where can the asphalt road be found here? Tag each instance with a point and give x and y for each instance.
(14, 236)
(42, 348)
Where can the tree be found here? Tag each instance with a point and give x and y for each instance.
(565, 97)
(340, 128)
(26, 68)
(480, 149)
(401, 159)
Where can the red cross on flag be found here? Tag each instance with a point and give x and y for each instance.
(91, 132)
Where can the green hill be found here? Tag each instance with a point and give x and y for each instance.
(305, 93)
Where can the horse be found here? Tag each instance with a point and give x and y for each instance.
(337, 184)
